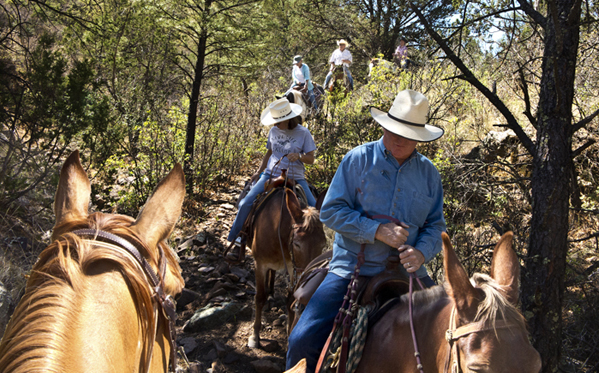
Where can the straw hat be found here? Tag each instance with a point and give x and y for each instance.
(342, 41)
(407, 117)
(279, 111)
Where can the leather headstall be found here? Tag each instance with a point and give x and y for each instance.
(454, 333)
(156, 281)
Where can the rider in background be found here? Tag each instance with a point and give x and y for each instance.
(290, 145)
(341, 56)
(401, 54)
(301, 78)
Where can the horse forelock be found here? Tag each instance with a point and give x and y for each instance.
(43, 320)
(311, 219)
(495, 304)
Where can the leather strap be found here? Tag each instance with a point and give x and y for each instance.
(454, 333)
(348, 309)
(166, 302)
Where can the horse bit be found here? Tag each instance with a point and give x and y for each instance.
(166, 302)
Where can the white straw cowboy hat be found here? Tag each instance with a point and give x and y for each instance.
(407, 117)
(342, 41)
(279, 111)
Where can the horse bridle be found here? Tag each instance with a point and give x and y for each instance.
(156, 281)
(454, 333)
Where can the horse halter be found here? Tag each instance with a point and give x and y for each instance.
(454, 333)
(156, 281)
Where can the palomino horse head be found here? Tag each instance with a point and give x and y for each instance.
(286, 238)
(88, 304)
(468, 325)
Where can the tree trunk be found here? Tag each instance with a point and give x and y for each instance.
(543, 277)
(194, 101)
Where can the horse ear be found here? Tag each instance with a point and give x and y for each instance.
(300, 367)
(505, 267)
(73, 193)
(158, 217)
(294, 206)
(320, 199)
(458, 284)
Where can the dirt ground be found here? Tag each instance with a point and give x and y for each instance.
(210, 282)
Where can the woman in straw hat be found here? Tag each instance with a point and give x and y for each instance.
(386, 177)
(290, 145)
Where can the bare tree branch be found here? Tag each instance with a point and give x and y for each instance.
(577, 152)
(584, 121)
(470, 78)
(532, 13)
(524, 86)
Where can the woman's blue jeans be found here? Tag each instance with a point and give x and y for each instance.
(245, 206)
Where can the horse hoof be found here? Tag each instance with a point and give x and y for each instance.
(253, 342)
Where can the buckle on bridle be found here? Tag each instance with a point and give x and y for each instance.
(449, 335)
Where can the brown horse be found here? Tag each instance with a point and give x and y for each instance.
(285, 237)
(464, 326)
(88, 304)
(339, 82)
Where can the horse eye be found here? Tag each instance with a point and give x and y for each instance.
(478, 368)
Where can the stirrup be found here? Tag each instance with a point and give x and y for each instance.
(235, 252)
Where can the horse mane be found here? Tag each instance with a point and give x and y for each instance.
(311, 218)
(494, 305)
(35, 339)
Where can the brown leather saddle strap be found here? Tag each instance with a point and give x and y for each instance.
(348, 308)
(246, 229)
(166, 302)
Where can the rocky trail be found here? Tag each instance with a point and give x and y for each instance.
(216, 309)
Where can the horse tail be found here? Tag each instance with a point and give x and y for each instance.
(290, 97)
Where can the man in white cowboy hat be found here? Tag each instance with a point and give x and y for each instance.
(290, 145)
(387, 177)
(341, 56)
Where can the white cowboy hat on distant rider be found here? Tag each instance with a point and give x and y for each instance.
(342, 41)
(407, 117)
(279, 111)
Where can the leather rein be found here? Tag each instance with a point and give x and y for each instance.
(292, 278)
(156, 281)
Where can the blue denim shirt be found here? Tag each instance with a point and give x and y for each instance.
(370, 181)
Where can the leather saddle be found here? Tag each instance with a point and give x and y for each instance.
(269, 189)
(377, 293)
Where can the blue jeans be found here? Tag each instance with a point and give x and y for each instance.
(346, 71)
(314, 326)
(245, 206)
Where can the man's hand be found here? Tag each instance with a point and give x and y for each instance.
(410, 258)
(392, 234)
